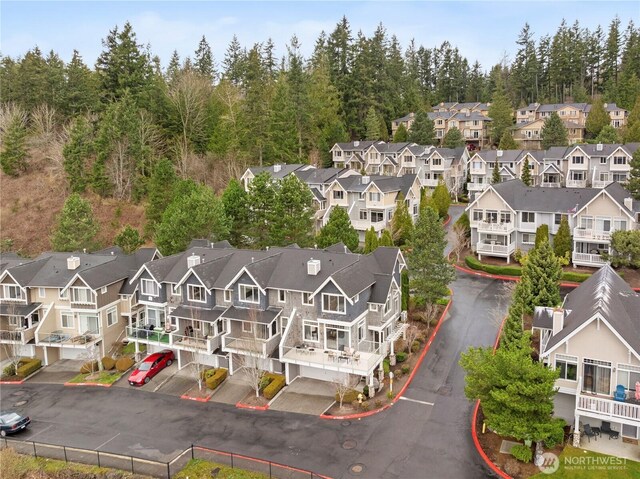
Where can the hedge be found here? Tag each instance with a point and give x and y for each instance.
(28, 366)
(123, 364)
(108, 363)
(214, 380)
(277, 383)
(574, 277)
(473, 263)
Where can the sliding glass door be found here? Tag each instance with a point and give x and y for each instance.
(596, 377)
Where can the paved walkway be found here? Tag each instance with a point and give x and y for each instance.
(305, 396)
(59, 372)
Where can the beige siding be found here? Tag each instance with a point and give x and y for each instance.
(603, 205)
(491, 201)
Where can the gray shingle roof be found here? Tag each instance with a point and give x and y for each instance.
(254, 315)
(21, 310)
(282, 170)
(527, 198)
(198, 314)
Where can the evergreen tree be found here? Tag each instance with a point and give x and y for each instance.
(597, 119)
(513, 328)
(440, 200)
(423, 129)
(81, 91)
(608, 135)
(197, 214)
(500, 112)
(507, 142)
(234, 200)
(372, 125)
(293, 214)
(430, 271)
(385, 238)
(338, 229)
(554, 133)
(128, 239)
(542, 234)
(401, 222)
(384, 131)
(76, 153)
(626, 249)
(526, 173)
(404, 287)
(495, 173)
(401, 135)
(632, 130)
(234, 60)
(161, 190)
(13, 157)
(370, 240)
(634, 175)
(261, 197)
(203, 60)
(562, 241)
(76, 227)
(283, 137)
(543, 270)
(453, 139)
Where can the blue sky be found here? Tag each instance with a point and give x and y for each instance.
(485, 31)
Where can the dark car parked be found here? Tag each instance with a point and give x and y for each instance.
(12, 422)
(150, 366)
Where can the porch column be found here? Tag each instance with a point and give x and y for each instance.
(46, 356)
(286, 373)
(179, 360)
(230, 364)
(372, 389)
(576, 431)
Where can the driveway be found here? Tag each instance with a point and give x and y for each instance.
(59, 372)
(235, 388)
(177, 384)
(305, 396)
(152, 385)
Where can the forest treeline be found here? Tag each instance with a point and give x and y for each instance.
(107, 126)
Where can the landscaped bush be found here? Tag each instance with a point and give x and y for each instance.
(401, 357)
(405, 369)
(397, 374)
(10, 370)
(400, 345)
(415, 347)
(277, 383)
(28, 366)
(390, 395)
(365, 405)
(349, 396)
(386, 366)
(264, 382)
(365, 391)
(574, 277)
(123, 364)
(473, 263)
(108, 363)
(207, 373)
(377, 403)
(522, 453)
(214, 380)
(89, 367)
(442, 301)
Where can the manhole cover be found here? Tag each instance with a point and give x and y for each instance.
(20, 403)
(349, 444)
(356, 468)
(18, 393)
(346, 423)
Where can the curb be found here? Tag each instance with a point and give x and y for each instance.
(13, 382)
(240, 405)
(89, 384)
(447, 220)
(411, 375)
(191, 398)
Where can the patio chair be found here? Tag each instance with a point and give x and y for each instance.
(606, 427)
(589, 432)
(620, 394)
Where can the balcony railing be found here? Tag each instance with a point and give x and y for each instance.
(553, 184)
(477, 186)
(150, 336)
(250, 344)
(364, 225)
(360, 360)
(430, 183)
(73, 340)
(607, 407)
(576, 183)
(587, 259)
(18, 336)
(488, 248)
(491, 227)
(600, 184)
(592, 234)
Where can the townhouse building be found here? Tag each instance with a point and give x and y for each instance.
(593, 339)
(61, 305)
(443, 164)
(505, 216)
(312, 313)
(379, 158)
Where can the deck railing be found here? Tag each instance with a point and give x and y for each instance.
(608, 407)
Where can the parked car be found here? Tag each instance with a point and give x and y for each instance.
(151, 366)
(12, 422)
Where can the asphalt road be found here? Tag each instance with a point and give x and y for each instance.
(427, 435)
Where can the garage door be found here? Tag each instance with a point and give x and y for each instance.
(321, 374)
(68, 353)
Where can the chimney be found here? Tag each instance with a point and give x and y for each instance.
(628, 203)
(356, 143)
(313, 267)
(499, 153)
(365, 180)
(193, 260)
(277, 168)
(558, 320)
(599, 147)
(73, 262)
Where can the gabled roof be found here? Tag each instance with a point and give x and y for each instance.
(607, 295)
(352, 146)
(277, 171)
(521, 197)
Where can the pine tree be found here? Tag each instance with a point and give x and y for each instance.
(554, 133)
(632, 129)
(513, 328)
(453, 138)
(608, 135)
(76, 153)
(634, 175)
(384, 131)
(372, 125)
(542, 234)
(14, 152)
(597, 119)
(76, 227)
(543, 270)
(562, 241)
(234, 60)
(203, 60)
(401, 222)
(161, 190)
(292, 221)
(261, 197)
(423, 129)
(338, 229)
(500, 112)
(404, 287)
(282, 146)
(430, 271)
(81, 91)
(526, 173)
(385, 238)
(495, 173)
(507, 142)
(370, 240)
(401, 135)
(234, 200)
(440, 200)
(128, 239)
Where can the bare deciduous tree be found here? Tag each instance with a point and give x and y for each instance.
(12, 350)
(345, 384)
(410, 336)
(251, 360)
(459, 240)
(10, 113)
(43, 124)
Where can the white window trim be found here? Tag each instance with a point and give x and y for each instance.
(242, 297)
(155, 291)
(228, 295)
(91, 295)
(282, 296)
(14, 320)
(190, 288)
(311, 299)
(311, 322)
(8, 297)
(373, 307)
(103, 290)
(41, 292)
(113, 311)
(566, 359)
(68, 314)
(63, 294)
(344, 312)
(176, 290)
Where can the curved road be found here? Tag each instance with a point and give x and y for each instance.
(426, 435)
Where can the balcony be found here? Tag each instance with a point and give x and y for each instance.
(553, 184)
(600, 184)
(361, 360)
(477, 186)
(170, 338)
(591, 234)
(59, 339)
(495, 249)
(485, 227)
(18, 335)
(364, 225)
(576, 183)
(250, 344)
(608, 409)
(586, 259)
(430, 183)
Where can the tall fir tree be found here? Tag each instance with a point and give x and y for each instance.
(441, 200)
(507, 142)
(261, 197)
(338, 229)
(500, 112)
(372, 125)
(608, 135)
(76, 154)
(204, 63)
(542, 234)
(370, 241)
(453, 138)
(554, 133)
(81, 91)
(423, 130)
(76, 227)
(562, 241)
(526, 173)
(543, 270)
(401, 135)
(160, 194)
(234, 201)
(128, 239)
(495, 173)
(292, 221)
(385, 238)
(401, 223)
(13, 157)
(633, 184)
(597, 119)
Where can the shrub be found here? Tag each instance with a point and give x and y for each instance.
(10, 370)
(401, 357)
(350, 396)
(377, 403)
(89, 367)
(415, 347)
(400, 345)
(365, 391)
(522, 453)
(355, 404)
(574, 277)
(277, 383)
(397, 374)
(207, 373)
(405, 369)
(473, 263)
(386, 366)
(27, 366)
(108, 363)
(390, 395)
(264, 382)
(365, 405)
(214, 380)
(442, 301)
(123, 364)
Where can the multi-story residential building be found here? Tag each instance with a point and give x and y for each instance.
(352, 155)
(59, 305)
(305, 312)
(379, 158)
(593, 339)
(505, 216)
(482, 163)
(443, 164)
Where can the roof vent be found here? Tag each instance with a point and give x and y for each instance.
(313, 267)
(193, 260)
(499, 153)
(365, 180)
(628, 203)
(277, 168)
(73, 262)
(356, 143)
(599, 147)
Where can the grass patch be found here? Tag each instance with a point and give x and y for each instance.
(588, 467)
(200, 469)
(130, 348)
(105, 377)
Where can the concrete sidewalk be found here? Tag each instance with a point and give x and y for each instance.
(305, 396)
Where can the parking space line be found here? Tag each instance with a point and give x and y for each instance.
(41, 431)
(426, 403)
(108, 440)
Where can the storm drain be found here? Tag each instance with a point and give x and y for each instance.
(356, 469)
(20, 403)
(346, 423)
(349, 444)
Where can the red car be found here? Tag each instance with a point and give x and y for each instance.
(151, 366)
